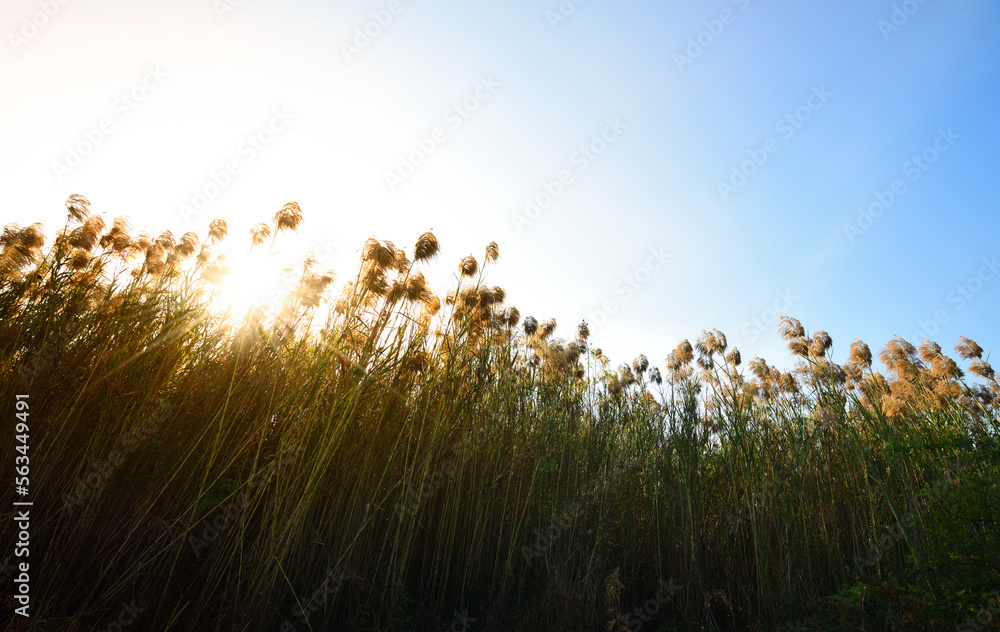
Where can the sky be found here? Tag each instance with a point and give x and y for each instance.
(654, 168)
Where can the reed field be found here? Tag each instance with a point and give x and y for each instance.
(392, 456)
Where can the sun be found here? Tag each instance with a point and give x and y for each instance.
(254, 280)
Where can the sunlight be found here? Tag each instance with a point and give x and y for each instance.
(254, 280)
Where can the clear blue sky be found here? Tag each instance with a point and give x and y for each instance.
(820, 108)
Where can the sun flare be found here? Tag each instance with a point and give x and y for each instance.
(254, 280)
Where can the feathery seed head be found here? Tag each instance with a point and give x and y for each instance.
(929, 351)
(402, 262)
(822, 342)
(530, 325)
(860, 355)
(981, 369)
(640, 364)
(79, 259)
(492, 252)
(259, 233)
(734, 358)
(217, 230)
(288, 218)
(427, 247)
(188, 244)
(654, 376)
(380, 254)
(900, 357)
(499, 295)
(546, 328)
(165, 241)
(799, 347)
(432, 305)
(78, 207)
(512, 316)
(469, 266)
(790, 328)
(968, 349)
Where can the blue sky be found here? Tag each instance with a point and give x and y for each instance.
(641, 108)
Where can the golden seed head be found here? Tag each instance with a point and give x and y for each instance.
(583, 331)
(380, 254)
(492, 252)
(929, 351)
(259, 233)
(799, 347)
(373, 279)
(78, 207)
(547, 328)
(821, 343)
(402, 263)
(217, 230)
(900, 357)
(427, 247)
(640, 364)
(432, 305)
(790, 328)
(968, 349)
(530, 325)
(981, 369)
(288, 218)
(165, 240)
(654, 376)
(87, 234)
(79, 259)
(188, 244)
(760, 369)
(499, 295)
(860, 355)
(734, 358)
(416, 287)
(469, 266)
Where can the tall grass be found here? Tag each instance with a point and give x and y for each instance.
(389, 459)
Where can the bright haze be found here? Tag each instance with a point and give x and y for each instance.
(654, 168)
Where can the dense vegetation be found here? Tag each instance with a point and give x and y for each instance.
(390, 459)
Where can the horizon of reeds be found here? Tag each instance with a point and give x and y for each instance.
(437, 454)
